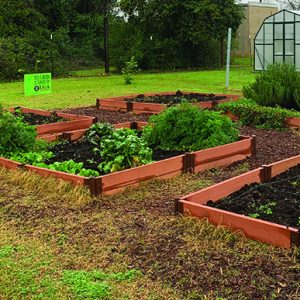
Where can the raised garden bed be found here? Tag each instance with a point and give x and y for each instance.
(166, 168)
(154, 103)
(206, 203)
(292, 122)
(51, 131)
(250, 113)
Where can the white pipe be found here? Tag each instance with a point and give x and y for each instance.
(228, 57)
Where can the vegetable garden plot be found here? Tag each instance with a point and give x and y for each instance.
(255, 199)
(166, 168)
(51, 131)
(156, 102)
(251, 114)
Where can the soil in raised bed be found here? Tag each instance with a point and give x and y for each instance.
(35, 119)
(277, 201)
(83, 151)
(176, 99)
(108, 116)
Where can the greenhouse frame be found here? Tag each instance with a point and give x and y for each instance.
(278, 40)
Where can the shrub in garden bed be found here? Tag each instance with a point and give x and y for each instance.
(176, 99)
(278, 85)
(15, 135)
(188, 128)
(250, 113)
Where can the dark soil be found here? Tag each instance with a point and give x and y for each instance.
(277, 201)
(108, 116)
(83, 151)
(79, 151)
(177, 98)
(35, 119)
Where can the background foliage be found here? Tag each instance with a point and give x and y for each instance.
(161, 35)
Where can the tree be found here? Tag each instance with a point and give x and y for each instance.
(190, 26)
(105, 8)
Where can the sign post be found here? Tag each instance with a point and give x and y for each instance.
(228, 57)
(37, 84)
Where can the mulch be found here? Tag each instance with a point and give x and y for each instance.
(272, 145)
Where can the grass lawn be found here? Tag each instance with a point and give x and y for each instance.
(83, 91)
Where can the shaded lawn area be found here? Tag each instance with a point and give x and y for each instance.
(58, 243)
(83, 91)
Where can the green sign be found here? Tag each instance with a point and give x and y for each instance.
(37, 84)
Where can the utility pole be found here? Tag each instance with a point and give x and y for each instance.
(51, 53)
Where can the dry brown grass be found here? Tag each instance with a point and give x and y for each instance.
(181, 258)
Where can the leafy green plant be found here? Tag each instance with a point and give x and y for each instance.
(185, 127)
(266, 209)
(123, 149)
(254, 215)
(16, 136)
(298, 221)
(70, 167)
(97, 131)
(278, 85)
(250, 113)
(129, 70)
(32, 158)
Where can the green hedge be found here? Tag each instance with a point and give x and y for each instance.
(250, 113)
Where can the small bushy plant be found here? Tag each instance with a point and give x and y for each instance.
(278, 85)
(16, 136)
(123, 149)
(250, 113)
(129, 70)
(187, 128)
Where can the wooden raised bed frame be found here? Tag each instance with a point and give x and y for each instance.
(263, 231)
(119, 103)
(53, 131)
(114, 182)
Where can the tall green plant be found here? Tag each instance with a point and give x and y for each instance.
(129, 70)
(187, 128)
(278, 85)
(15, 135)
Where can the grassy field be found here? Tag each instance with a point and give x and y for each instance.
(81, 90)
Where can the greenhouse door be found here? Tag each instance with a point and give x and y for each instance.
(284, 43)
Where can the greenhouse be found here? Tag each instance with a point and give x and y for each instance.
(278, 40)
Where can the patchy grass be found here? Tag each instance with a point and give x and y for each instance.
(131, 245)
(83, 91)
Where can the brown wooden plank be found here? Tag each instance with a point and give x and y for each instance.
(142, 173)
(221, 152)
(225, 188)
(255, 229)
(282, 166)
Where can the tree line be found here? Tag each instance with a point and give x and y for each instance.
(61, 35)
